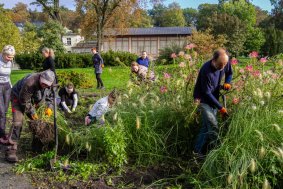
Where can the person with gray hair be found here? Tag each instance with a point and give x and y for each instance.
(27, 94)
(48, 63)
(6, 59)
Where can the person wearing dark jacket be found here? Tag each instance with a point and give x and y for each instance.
(143, 60)
(68, 97)
(27, 93)
(206, 94)
(48, 62)
(97, 64)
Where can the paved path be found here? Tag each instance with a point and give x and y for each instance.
(8, 179)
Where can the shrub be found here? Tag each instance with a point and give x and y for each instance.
(80, 80)
(72, 60)
(166, 53)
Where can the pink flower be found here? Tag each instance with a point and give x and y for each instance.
(249, 68)
(234, 61)
(173, 55)
(256, 73)
(166, 75)
(242, 71)
(163, 89)
(263, 60)
(187, 57)
(182, 65)
(253, 54)
(190, 46)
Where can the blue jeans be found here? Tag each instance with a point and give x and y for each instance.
(209, 128)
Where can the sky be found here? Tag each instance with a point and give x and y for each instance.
(263, 4)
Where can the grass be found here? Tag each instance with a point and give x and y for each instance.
(112, 77)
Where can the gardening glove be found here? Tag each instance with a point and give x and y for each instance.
(48, 112)
(73, 109)
(223, 112)
(227, 86)
(69, 111)
(34, 116)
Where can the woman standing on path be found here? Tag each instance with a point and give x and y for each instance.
(97, 64)
(6, 59)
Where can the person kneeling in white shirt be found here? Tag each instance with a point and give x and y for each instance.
(101, 107)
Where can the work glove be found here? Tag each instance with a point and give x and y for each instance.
(73, 109)
(48, 112)
(69, 111)
(34, 116)
(227, 86)
(223, 112)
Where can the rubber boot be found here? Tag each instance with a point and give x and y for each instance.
(13, 137)
(11, 154)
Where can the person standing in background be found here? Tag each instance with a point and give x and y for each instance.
(97, 64)
(48, 62)
(143, 60)
(6, 59)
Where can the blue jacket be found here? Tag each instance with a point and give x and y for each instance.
(207, 87)
(97, 62)
(143, 62)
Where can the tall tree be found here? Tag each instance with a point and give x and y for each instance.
(140, 19)
(98, 15)
(9, 33)
(167, 16)
(30, 38)
(51, 7)
(50, 33)
(277, 13)
(19, 13)
(190, 15)
(205, 11)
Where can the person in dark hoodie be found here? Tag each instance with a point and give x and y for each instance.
(98, 65)
(27, 93)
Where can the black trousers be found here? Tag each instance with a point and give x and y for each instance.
(5, 91)
(99, 80)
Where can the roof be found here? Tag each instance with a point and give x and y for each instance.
(152, 31)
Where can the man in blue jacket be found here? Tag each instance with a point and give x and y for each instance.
(206, 93)
(143, 60)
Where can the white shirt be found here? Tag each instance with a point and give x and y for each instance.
(100, 108)
(5, 70)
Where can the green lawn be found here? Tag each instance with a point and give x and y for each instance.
(111, 76)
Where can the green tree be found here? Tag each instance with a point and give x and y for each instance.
(157, 13)
(273, 41)
(9, 33)
(277, 13)
(254, 40)
(205, 11)
(167, 16)
(30, 38)
(51, 7)
(140, 19)
(190, 15)
(50, 33)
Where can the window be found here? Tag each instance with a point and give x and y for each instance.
(69, 41)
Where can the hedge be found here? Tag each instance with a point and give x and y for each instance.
(72, 60)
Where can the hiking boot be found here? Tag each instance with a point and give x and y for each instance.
(11, 156)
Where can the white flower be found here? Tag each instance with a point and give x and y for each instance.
(254, 107)
(252, 166)
(262, 102)
(277, 127)
(267, 95)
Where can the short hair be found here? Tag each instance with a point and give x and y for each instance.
(144, 51)
(94, 48)
(218, 52)
(113, 94)
(70, 85)
(9, 50)
(134, 64)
